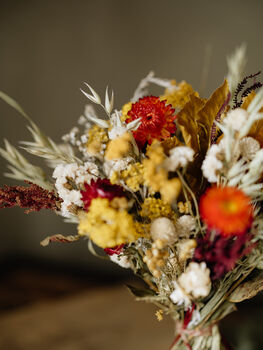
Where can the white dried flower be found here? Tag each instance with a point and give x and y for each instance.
(236, 118)
(72, 136)
(163, 229)
(249, 147)
(211, 164)
(185, 224)
(76, 173)
(196, 280)
(179, 296)
(179, 157)
(121, 260)
(116, 165)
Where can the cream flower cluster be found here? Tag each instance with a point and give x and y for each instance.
(78, 174)
(179, 158)
(164, 229)
(212, 163)
(193, 283)
(236, 119)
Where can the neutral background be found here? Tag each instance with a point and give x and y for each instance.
(48, 48)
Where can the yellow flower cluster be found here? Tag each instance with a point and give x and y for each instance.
(97, 137)
(119, 147)
(132, 176)
(180, 96)
(153, 208)
(107, 226)
(125, 110)
(156, 176)
(183, 208)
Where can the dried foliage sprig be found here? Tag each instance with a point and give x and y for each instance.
(21, 169)
(43, 146)
(247, 91)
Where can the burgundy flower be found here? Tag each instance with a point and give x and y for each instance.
(101, 188)
(32, 197)
(221, 253)
(115, 250)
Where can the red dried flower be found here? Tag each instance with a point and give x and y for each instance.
(101, 188)
(157, 120)
(33, 197)
(115, 250)
(226, 210)
(221, 253)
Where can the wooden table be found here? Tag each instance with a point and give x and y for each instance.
(100, 319)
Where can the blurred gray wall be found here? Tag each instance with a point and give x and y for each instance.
(48, 48)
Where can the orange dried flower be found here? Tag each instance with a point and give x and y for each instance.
(226, 210)
(157, 120)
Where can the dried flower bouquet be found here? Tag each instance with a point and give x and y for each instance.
(169, 186)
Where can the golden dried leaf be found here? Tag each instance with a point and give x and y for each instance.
(207, 115)
(170, 143)
(256, 130)
(187, 121)
(248, 289)
(180, 96)
(247, 100)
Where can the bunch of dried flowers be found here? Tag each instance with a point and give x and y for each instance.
(169, 186)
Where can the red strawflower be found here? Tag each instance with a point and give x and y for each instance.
(115, 250)
(101, 188)
(227, 210)
(221, 253)
(157, 120)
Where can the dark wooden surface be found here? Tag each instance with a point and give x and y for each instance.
(106, 318)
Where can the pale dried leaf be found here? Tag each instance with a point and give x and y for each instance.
(248, 289)
(59, 238)
(94, 97)
(108, 102)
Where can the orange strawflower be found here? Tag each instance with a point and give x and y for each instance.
(227, 210)
(157, 120)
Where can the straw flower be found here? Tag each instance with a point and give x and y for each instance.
(226, 210)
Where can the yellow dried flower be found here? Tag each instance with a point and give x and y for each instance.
(114, 179)
(106, 226)
(133, 176)
(159, 315)
(171, 189)
(97, 137)
(183, 208)
(119, 147)
(142, 229)
(180, 96)
(156, 175)
(125, 109)
(153, 208)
